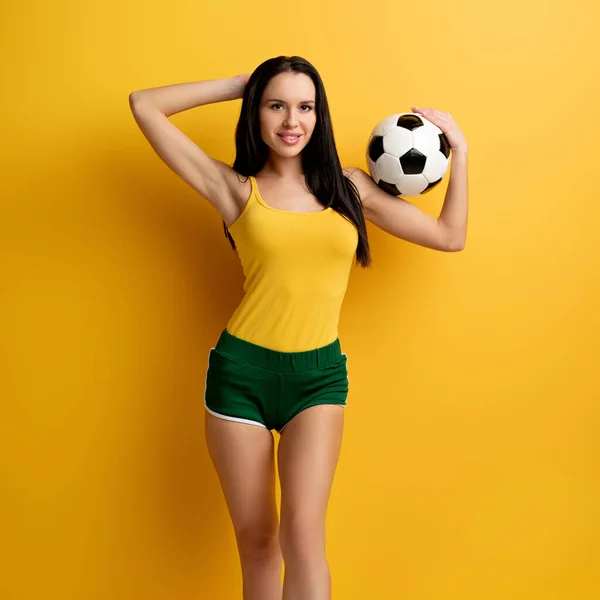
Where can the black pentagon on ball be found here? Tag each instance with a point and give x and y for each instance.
(409, 122)
(390, 188)
(376, 147)
(413, 162)
(444, 145)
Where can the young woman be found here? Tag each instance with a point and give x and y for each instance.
(297, 220)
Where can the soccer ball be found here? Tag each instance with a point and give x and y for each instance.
(407, 155)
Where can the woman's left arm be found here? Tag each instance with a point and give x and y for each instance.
(455, 209)
(405, 220)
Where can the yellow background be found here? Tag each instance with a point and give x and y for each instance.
(470, 462)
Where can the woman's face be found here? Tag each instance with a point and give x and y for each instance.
(288, 104)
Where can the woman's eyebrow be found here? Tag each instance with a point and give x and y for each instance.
(284, 102)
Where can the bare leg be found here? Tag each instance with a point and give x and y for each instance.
(308, 454)
(243, 456)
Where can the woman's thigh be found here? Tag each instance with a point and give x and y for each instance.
(308, 454)
(243, 456)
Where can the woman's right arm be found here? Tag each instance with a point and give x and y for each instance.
(211, 178)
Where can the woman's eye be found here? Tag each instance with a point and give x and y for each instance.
(303, 106)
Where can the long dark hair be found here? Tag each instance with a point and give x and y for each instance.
(323, 171)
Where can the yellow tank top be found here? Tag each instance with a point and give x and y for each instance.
(296, 267)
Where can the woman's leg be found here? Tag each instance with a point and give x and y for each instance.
(308, 454)
(243, 456)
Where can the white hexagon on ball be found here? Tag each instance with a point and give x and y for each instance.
(412, 185)
(398, 141)
(388, 168)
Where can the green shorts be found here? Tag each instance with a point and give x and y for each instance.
(252, 384)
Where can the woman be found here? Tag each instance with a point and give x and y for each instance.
(297, 221)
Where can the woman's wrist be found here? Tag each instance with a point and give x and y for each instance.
(241, 81)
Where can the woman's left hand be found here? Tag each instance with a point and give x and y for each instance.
(446, 123)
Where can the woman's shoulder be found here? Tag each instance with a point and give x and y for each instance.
(362, 180)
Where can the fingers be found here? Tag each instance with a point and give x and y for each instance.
(429, 113)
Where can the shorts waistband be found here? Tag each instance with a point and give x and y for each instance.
(266, 358)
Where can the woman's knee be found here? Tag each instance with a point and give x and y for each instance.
(302, 539)
(256, 542)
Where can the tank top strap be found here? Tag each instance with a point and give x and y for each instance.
(249, 202)
(252, 199)
(254, 188)
(254, 194)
